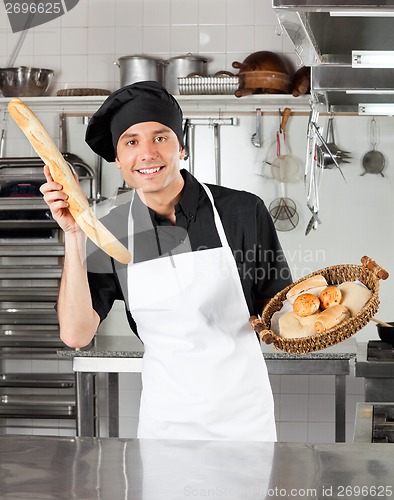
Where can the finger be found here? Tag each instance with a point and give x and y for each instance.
(52, 196)
(49, 187)
(58, 206)
(47, 173)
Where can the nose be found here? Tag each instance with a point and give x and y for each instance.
(148, 151)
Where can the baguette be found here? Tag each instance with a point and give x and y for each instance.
(61, 173)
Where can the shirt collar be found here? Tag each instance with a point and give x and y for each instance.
(188, 202)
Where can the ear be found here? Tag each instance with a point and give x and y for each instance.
(117, 163)
(182, 153)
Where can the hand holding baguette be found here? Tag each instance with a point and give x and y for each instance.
(60, 172)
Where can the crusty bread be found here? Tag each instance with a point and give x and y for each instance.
(314, 284)
(331, 317)
(330, 296)
(354, 296)
(306, 304)
(61, 173)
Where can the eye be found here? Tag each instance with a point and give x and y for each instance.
(131, 142)
(160, 138)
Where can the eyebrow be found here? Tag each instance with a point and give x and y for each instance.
(130, 135)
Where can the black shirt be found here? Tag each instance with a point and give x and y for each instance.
(249, 229)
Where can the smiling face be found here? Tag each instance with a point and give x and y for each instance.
(148, 155)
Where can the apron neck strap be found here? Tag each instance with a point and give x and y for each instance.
(218, 222)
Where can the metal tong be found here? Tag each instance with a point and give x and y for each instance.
(333, 154)
(312, 175)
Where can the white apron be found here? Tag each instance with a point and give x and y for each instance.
(203, 375)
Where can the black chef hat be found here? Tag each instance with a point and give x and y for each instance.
(135, 103)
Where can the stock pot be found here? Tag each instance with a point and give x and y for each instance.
(138, 68)
(182, 66)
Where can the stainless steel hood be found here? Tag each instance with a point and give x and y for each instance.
(324, 33)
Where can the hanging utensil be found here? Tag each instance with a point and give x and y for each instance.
(283, 210)
(313, 172)
(191, 136)
(186, 138)
(333, 153)
(284, 213)
(373, 161)
(2, 138)
(284, 167)
(256, 137)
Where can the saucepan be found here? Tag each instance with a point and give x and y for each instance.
(386, 333)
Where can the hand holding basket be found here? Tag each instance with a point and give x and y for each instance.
(369, 273)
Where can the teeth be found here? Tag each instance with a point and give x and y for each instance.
(149, 170)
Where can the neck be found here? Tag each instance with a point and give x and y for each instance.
(163, 202)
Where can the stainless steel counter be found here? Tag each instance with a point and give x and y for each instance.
(55, 468)
(117, 354)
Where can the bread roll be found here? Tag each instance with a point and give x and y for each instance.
(354, 296)
(313, 285)
(331, 317)
(292, 326)
(306, 304)
(61, 173)
(330, 296)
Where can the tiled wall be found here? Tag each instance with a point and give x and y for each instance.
(82, 45)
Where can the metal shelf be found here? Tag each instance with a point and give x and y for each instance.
(189, 103)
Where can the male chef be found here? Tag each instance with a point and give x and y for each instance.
(204, 258)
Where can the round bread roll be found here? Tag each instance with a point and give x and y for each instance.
(306, 304)
(292, 326)
(313, 285)
(331, 317)
(330, 296)
(354, 296)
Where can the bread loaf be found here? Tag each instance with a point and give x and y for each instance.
(313, 285)
(61, 173)
(306, 304)
(330, 296)
(331, 317)
(292, 326)
(354, 296)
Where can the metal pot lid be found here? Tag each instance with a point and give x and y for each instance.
(189, 57)
(141, 56)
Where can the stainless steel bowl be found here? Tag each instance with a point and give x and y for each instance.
(24, 81)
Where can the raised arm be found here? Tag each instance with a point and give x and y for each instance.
(77, 318)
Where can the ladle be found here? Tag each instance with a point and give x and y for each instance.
(382, 323)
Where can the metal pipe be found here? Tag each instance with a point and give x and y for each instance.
(216, 135)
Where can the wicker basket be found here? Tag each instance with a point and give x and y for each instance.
(81, 92)
(368, 273)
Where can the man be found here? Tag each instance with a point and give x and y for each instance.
(203, 260)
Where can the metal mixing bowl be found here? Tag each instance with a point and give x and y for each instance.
(24, 81)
